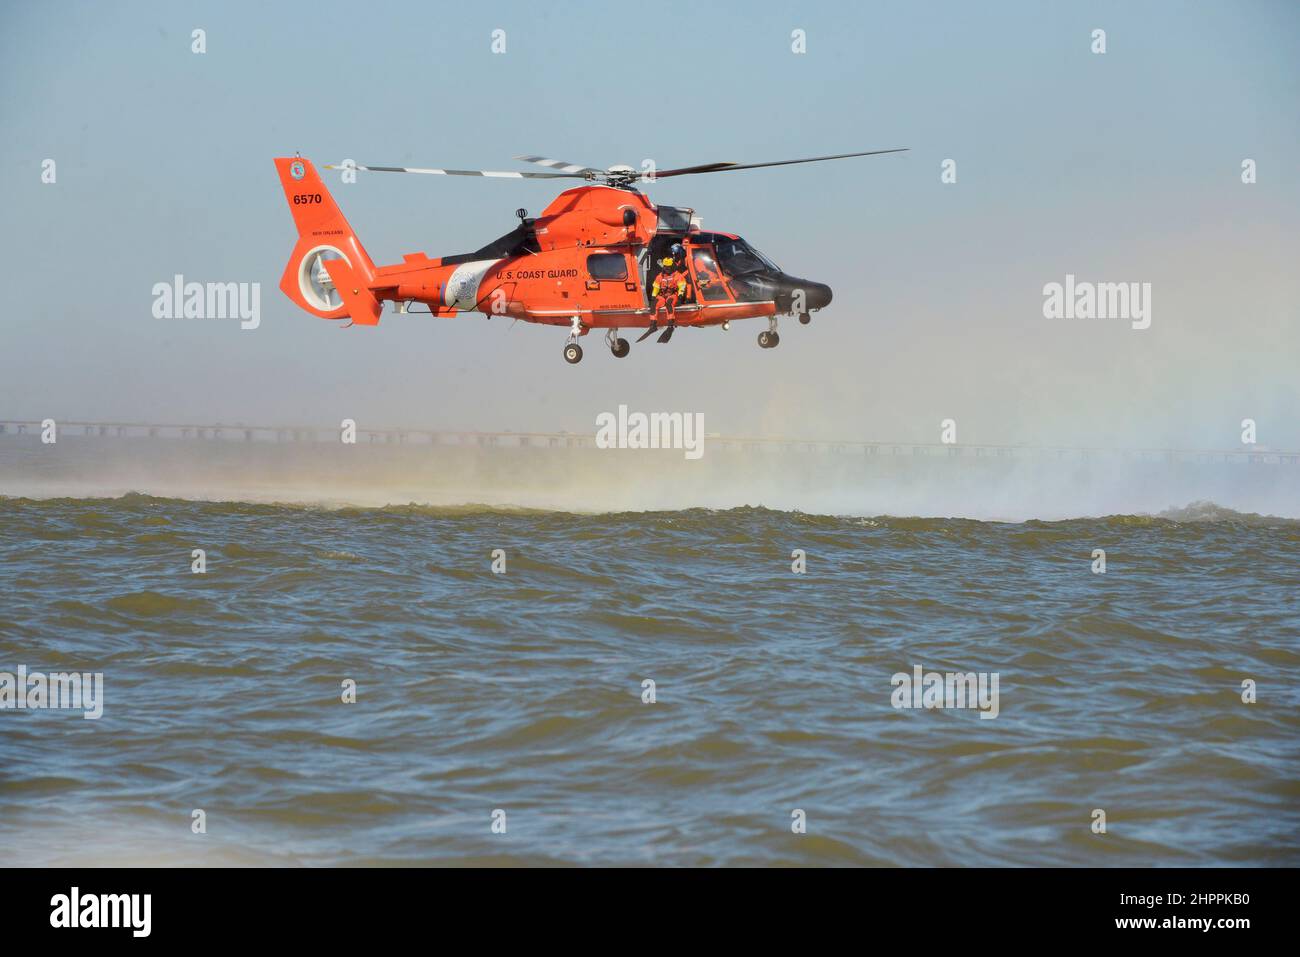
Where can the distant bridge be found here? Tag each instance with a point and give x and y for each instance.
(1251, 455)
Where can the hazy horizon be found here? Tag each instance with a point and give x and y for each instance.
(1122, 167)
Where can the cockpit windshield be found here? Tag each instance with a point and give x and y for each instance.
(739, 258)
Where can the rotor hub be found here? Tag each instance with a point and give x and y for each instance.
(620, 176)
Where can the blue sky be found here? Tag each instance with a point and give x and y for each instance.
(1120, 167)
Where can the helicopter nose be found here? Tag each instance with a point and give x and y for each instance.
(816, 295)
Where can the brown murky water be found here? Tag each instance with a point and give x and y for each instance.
(523, 692)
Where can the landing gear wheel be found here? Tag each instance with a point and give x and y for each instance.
(804, 318)
(573, 353)
(621, 348)
(768, 340)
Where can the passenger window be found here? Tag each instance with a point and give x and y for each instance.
(607, 266)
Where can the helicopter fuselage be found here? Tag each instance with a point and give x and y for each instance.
(600, 256)
(592, 257)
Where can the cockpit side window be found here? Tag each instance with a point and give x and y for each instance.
(739, 258)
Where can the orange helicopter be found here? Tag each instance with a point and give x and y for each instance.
(600, 256)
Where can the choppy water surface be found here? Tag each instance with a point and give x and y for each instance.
(523, 691)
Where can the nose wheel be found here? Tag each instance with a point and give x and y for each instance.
(804, 318)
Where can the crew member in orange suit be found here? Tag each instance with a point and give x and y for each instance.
(704, 273)
(668, 289)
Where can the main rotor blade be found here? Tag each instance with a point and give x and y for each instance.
(508, 174)
(559, 165)
(690, 170)
(727, 167)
